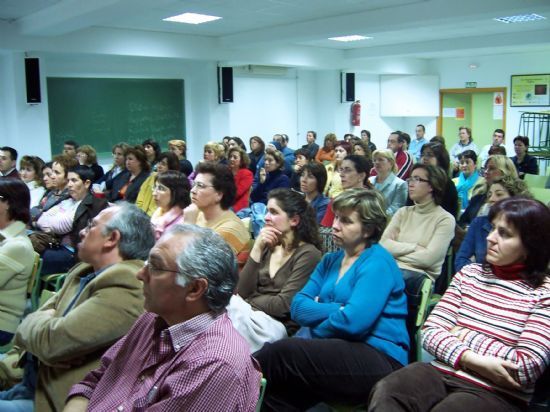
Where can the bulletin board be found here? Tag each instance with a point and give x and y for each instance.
(530, 90)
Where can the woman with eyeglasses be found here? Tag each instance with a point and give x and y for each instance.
(392, 188)
(418, 236)
(285, 253)
(352, 312)
(145, 201)
(212, 195)
(171, 195)
(489, 332)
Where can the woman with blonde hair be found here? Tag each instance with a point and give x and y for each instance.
(30, 170)
(333, 186)
(87, 156)
(179, 148)
(392, 188)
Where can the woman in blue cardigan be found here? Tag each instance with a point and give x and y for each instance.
(271, 176)
(352, 312)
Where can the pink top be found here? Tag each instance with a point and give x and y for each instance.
(162, 222)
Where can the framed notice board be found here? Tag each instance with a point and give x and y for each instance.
(530, 90)
(101, 112)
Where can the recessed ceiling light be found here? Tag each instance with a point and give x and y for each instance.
(521, 18)
(354, 37)
(192, 18)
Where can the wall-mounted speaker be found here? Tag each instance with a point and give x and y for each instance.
(225, 84)
(32, 78)
(347, 84)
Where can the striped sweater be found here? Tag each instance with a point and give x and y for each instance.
(507, 319)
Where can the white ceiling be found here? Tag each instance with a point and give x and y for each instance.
(278, 32)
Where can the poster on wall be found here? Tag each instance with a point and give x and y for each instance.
(530, 90)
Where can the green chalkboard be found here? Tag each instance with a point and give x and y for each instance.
(102, 112)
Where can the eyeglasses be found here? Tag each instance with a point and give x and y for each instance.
(416, 179)
(154, 270)
(200, 185)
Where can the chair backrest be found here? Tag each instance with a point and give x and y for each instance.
(36, 268)
(327, 242)
(418, 290)
(263, 384)
(541, 194)
(535, 180)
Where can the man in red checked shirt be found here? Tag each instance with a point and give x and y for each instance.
(183, 354)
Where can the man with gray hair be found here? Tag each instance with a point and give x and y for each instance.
(183, 354)
(98, 303)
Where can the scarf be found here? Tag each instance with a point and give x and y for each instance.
(464, 185)
(509, 272)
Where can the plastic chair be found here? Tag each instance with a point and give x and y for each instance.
(263, 384)
(34, 282)
(541, 194)
(535, 180)
(419, 292)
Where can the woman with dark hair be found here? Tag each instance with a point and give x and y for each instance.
(30, 171)
(270, 177)
(333, 186)
(238, 163)
(365, 136)
(179, 148)
(467, 178)
(524, 163)
(465, 142)
(138, 167)
(352, 312)
(418, 236)
(115, 178)
(87, 156)
(301, 158)
(312, 182)
(489, 332)
(326, 153)
(285, 253)
(66, 219)
(257, 149)
(360, 147)
(435, 154)
(354, 174)
(212, 195)
(475, 242)
(235, 142)
(171, 195)
(167, 161)
(16, 255)
(152, 151)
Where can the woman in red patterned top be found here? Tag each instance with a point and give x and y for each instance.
(489, 333)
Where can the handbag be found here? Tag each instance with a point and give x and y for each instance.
(42, 241)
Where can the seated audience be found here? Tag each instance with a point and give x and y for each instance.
(397, 143)
(489, 332)
(257, 149)
(8, 162)
(16, 255)
(30, 171)
(192, 357)
(465, 142)
(302, 158)
(138, 167)
(69, 148)
(66, 219)
(352, 311)
(354, 174)
(311, 147)
(468, 177)
(386, 182)
(152, 152)
(171, 195)
(333, 187)
(238, 163)
(115, 178)
(435, 154)
(523, 162)
(212, 152)
(312, 182)
(326, 153)
(418, 236)
(271, 177)
(235, 142)
(98, 303)
(285, 253)
(212, 194)
(365, 136)
(475, 242)
(496, 166)
(87, 156)
(167, 161)
(361, 148)
(179, 148)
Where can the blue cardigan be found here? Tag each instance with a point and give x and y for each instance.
(474, 244)
(273, 180)
(367, 304)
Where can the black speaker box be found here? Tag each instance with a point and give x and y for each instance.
(347, 82)
(225, 84)
(32, 77)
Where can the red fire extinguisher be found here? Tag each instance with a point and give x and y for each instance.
(356, 113)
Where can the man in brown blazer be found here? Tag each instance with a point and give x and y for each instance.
(98, 303)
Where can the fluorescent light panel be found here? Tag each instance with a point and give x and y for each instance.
(191, 18)
(520, 18)
(353, 37)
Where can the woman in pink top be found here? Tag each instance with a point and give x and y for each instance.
(171, 194)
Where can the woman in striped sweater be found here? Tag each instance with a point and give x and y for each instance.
(489, 333)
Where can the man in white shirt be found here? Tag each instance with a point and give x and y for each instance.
(498, 140)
